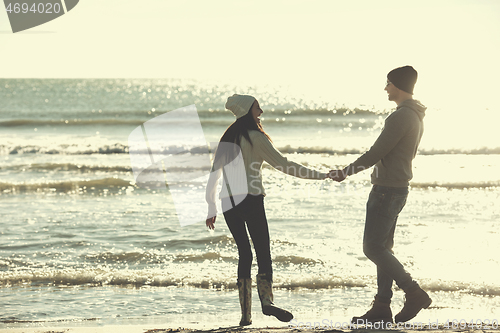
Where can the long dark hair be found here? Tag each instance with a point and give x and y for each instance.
(233, 135)
(240, 128)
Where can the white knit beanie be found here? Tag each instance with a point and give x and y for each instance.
(240, 104)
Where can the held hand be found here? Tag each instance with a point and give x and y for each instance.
(211, 223)
(337, 175)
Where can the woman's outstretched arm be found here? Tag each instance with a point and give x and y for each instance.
(275, 158)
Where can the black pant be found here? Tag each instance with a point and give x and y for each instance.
(250, 212)
(382, 211)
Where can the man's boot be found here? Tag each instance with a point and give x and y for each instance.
(265, 288)
(379, 312)
(415, 300)
(245, 292)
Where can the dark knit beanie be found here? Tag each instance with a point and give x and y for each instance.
(403, 78)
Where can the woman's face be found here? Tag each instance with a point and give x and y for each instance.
(256, 111)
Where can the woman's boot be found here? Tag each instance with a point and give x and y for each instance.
(245, 292)
(265, 288)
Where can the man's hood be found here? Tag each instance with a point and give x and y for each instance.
(415, 105)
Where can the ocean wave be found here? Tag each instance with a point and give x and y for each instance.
(214, 117)
(457, 185)
(68, 186)
(80, 149)
(481, 289)
(113, 277)
(64, 149)
(221, 240)
(296, 260)
(199, 258)
(119, 148)
(82, 168)
(357, 151)
(155, 258)
(178, 278)
(114, 186)
(111, 185)
(326, 281)
(69, 122)
(461, 151)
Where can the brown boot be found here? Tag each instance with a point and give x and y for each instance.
(415, 300)
(380, 312)
(265, 288)
(245, 293)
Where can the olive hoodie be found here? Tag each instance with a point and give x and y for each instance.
(395, 148)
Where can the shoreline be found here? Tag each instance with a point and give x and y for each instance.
(248, 329)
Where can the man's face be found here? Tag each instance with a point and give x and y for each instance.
(392, 91)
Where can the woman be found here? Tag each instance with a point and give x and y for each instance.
(246, 144)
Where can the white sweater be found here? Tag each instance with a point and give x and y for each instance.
(253, 157)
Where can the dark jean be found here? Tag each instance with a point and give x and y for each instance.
(249, 214)
(382, 210)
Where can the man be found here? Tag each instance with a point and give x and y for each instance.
(392, 154)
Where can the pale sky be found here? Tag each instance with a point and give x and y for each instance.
(330, 47)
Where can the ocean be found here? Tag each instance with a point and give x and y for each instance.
(82, 243)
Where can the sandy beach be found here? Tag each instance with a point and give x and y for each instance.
(286, 329)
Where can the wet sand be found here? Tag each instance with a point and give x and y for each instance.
(143, 329)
